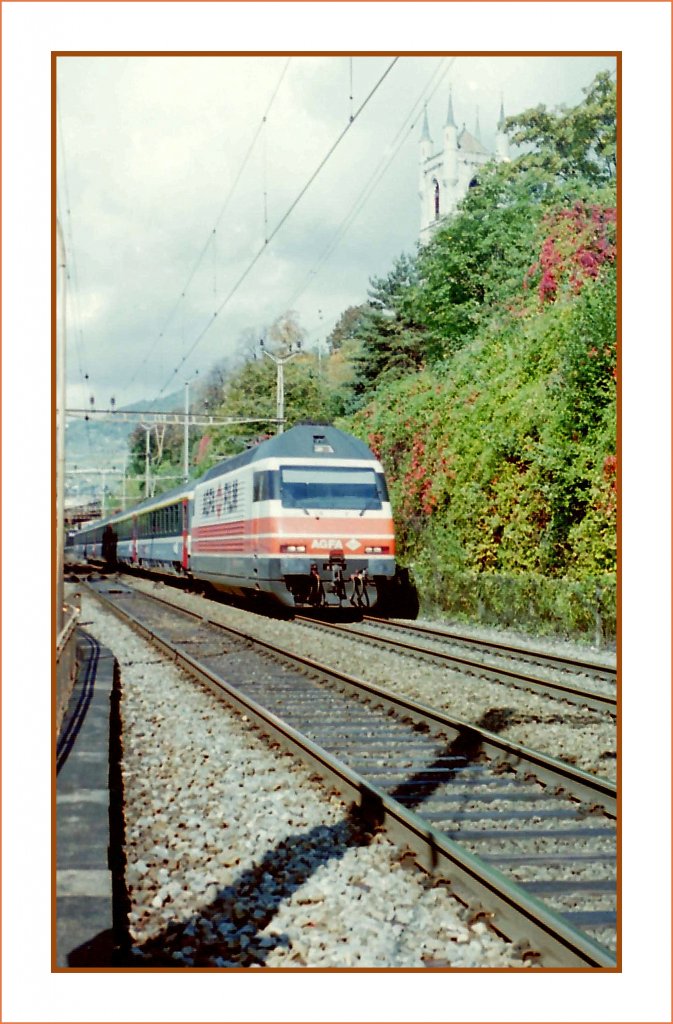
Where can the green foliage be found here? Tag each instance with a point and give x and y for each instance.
(165, 457)
(347, 327)
(502, 467)
(525, 601)
(390, 339)
(473, 267)
(579, 144)
(582, 431)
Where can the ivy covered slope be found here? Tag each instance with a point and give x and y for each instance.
(486, 380)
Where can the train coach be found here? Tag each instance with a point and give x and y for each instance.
(303, 518)
(153, 535)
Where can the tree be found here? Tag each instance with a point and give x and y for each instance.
(390, 336)
(347, 327)
(285, 332)
(576, 144)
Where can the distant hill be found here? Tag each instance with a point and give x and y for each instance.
(166, 403)
(103, 444)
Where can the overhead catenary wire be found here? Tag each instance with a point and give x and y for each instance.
(390, 153)
(279, 225)
(225, 207)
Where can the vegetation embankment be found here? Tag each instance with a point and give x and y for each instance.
(483, 371)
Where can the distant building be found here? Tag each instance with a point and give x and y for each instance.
(448, 169)
(75, 515)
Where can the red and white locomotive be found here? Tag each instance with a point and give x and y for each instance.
(303, 518)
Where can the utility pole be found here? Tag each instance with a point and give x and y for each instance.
(147, 428)
(280, 380)
(186, 442)
(320, 346)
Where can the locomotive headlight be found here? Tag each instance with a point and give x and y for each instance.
(292, 549)
(376, 551)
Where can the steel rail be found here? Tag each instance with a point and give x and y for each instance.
(573, 694)
(563, 661)
(520, 915)
(577, 783)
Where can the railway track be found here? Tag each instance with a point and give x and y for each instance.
(586, 697)
(549, 659)
(527, 840)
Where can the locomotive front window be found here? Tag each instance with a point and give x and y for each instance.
(265, 485)
(312, 487)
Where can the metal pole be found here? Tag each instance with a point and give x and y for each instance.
(186, 451)
(280, 386)
(280, 395)
(147, 461)
(60, 433)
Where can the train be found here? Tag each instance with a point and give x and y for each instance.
(302, 519)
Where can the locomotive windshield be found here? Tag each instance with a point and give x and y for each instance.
(331, 487)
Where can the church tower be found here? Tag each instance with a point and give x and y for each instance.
(449, 170)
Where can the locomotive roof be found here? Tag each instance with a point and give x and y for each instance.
(305, 441)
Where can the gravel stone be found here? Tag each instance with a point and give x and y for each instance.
(236, 858)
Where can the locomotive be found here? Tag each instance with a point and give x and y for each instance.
(303, 518)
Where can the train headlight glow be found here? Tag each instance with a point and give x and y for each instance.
(292, 549)
(376, 551)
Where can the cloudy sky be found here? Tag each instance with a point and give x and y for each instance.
(170, 181)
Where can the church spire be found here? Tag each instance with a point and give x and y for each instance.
(425, 133)
(477, 133)
(501, 140)
(450, 123)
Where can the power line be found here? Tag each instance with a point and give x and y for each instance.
(208, 241)
(282, 221)
(391, 151)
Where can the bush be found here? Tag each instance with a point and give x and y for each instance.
(584, 610)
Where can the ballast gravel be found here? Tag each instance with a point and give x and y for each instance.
(237, 857)
(580, 736)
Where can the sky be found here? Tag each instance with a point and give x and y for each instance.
(174, 171)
